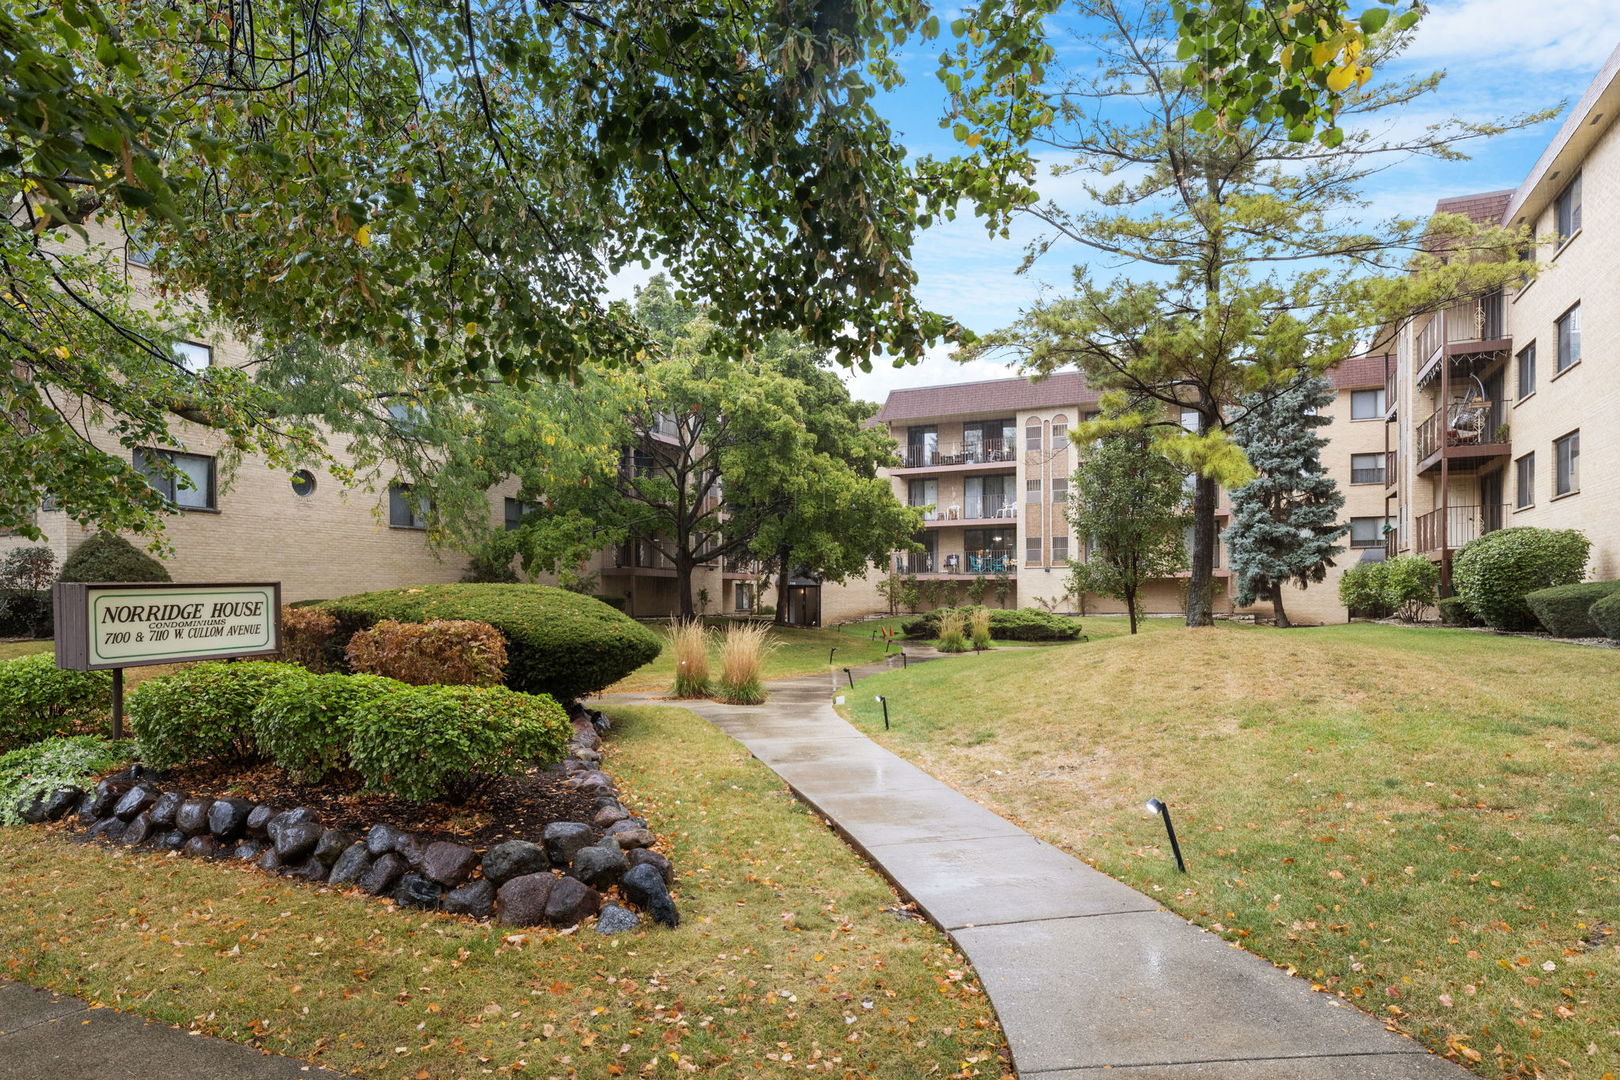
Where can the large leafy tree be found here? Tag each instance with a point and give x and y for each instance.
(1285, 522)
(1130, 506)
(1252, 257)
(451, 184)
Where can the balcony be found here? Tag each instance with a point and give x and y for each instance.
(742, 566)
(1450, 527)
(988, 561)
(1468, 432)
(1392, 472)
(639, 556)
(1476, 325)
(974, 512)
(1392, 543)
(984, 452)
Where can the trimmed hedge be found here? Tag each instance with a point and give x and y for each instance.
(1453, 612)
(203, 711)
(306, 638)
(1019, 624)
(39, 699)
(428, 741)
(1565, 610)
(439, 652)
(1606, 615)
(105, 557)
(557, 642)
(305, 723)
(1493, 574)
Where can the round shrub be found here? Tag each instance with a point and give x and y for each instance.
(1493, 574)
(1453, 612)
(1018, 624)
(305, 722)
(557, 642)
(1565, 610)
(430, 741)
(1411, 584)
(1606, 615)
(105, 557)
(39, 699)
(203, 711)
(457, 652)
(306, 638)
(1362, 590)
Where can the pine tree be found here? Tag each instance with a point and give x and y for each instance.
(1285, 522)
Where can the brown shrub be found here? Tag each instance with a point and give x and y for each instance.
(454, 652)
(306, 638)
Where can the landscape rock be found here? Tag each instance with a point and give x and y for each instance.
(140, 830)
(135, 800)
(163, 810)
(106, 796)
(595, 783)
(173, 840)
(616, 920)
(644, 887)
(333, 842)
(59, 803)
(563, 839)
(571, 902)
(522, 901)
(300, 815)
(585, 734)
(269, 861)
(191, 816)
(258, 820)
(587, 754)
(448, 864)
(384, 874)
(248, 849)
(632, 836)
(310, 869)
(296, 842)
(410, 848)
(380, 839)
(227, 818)
(514, 858)
(201, 846)
(86, 811)
(665, 868)
(418, 890)
(599, 866)
(476, 898)
(609, 816)
(352, 864)
(108, 828)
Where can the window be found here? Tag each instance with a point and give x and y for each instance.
(744, 592)
(407, 414)
(404, 511)
(922, 446)
(1060, 491)
(1189, 419)
(1366, 468)
(1032, 437)
(921, 493)
(1367, 532)
(137, 253)
(303, 483)
(1032, 549)
(1032, 491)
(1060, 435)
(1525, 477)
(515, 511)
(185, 480)
(1367, 404)
(1527, 371)
(1088, 417)
(1569, 338)
(1567, 210)
(1567, 470)
(193, 357)
(1060, 550)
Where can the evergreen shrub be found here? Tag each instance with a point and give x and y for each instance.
(306, 722)
(1494, 573)
(39, 699)
(1566, 610)
(204, 711)
(106, 557)
(1453, 612)
(308, 637)
(1605, 615)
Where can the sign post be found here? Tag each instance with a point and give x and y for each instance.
(115, 625)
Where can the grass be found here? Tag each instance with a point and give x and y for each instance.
(1423, 821)
(788, 960)
(10, 650)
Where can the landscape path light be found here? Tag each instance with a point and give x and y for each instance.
(885, 702)
(851, 676)
(830, 655)
(1156, 806)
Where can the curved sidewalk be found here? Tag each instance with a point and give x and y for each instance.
(1089, 978)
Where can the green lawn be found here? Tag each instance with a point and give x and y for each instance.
(10, 650)
(788, 959)
(1424, 821)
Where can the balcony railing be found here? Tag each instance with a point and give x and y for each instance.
(1392, 543)
(1458, 424)
(1482, 318)
(990, 508)
(641, 555)
(988, 452)
(991, 561)
(734, 565)
(1392, 472)
(1453, 526)
(921, 562)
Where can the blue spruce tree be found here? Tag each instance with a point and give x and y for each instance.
(1285, 522)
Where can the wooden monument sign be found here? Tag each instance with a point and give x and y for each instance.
(112, 626)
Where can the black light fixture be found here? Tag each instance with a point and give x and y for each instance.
(830, 655)
(1157, 806)
(904, 663)
(885, 702)
(850, 675)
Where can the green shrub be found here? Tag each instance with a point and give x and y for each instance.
(1362, 589)
(39, 699)
(45, 766)
(1606, 615)
(305, 722)
(203, 712)
(1493, 574)
(105, 557)
(1565, 610)
(1411, 585)
(1018, 624)
(1453, 612)
(557, 642)
(439, 652)
(307, 635)
(431, 741)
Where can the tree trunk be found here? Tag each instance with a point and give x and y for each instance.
(1199, 611)
(1279, 616)
(683, 586)
(1130, 605)
(782, 571)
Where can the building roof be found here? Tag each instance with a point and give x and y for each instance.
(1486, 208)
(1364, 372)
(1575, 138)
(989, 396)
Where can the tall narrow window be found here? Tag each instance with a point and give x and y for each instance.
(1032, 550)
(1527, 371)
(1032, 437)
(1060, 491)
(1032, 490)
(1567, 452)
(1060, 435)
(1189, 419)
(515, 511)
(1060, 550)
(185, 480)
(924, 493)
(1569, 338)
(406, 511)
(1524, 477)
(922, 446)
(1567, 210)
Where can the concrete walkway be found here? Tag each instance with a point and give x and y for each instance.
(46, 1035)
(1089, 978)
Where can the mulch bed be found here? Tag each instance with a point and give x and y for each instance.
(508, 808)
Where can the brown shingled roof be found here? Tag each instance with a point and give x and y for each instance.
(989, 396)
(1486, 208)
(1358, 372)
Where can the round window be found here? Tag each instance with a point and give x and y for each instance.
(303, 482)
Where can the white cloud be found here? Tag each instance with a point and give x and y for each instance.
(936, 368)
(1544, 35)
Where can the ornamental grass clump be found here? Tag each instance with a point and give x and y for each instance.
(742, 664)
(980, 628)
(952, 633)
(689, 641)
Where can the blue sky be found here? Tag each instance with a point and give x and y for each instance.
(1500, 56)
